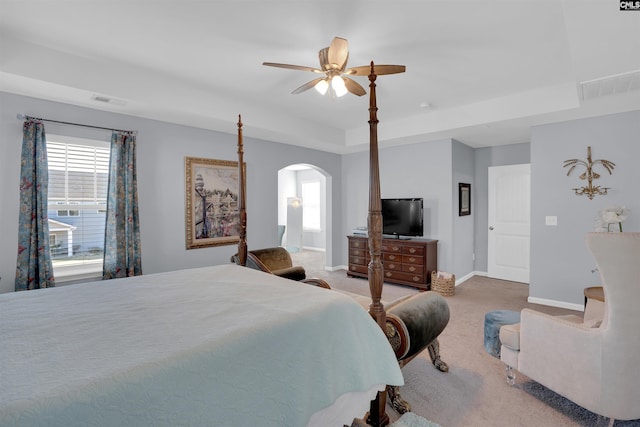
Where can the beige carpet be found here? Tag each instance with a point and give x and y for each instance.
(474, 392)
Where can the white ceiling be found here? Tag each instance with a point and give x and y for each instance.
(488, 69)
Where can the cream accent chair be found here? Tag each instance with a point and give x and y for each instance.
(594, 364)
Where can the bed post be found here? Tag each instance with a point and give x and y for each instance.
(377, 415)
(375, 211)
(242, 243)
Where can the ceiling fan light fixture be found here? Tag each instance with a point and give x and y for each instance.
(322, 86)
(338, 86)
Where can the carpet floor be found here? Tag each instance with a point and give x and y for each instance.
(474, 392)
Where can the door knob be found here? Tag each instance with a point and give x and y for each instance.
(491, 227)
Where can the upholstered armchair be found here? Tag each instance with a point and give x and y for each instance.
(276, 260)
(592, 362)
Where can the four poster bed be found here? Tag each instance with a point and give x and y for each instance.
(203, 346)
(412, 324)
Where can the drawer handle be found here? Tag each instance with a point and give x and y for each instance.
(412, 259)
(416, 279)
(388, 274)
(356, 244)
(392, 257)
(395, 249)
(412, 269)
(412, 250)
(392, 266)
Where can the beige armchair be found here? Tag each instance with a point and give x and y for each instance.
(592, 362)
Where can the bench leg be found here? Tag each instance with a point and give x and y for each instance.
(434, 353)
(397, 402)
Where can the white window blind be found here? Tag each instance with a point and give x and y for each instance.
(78, 179)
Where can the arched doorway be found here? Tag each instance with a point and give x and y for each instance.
(304, 209)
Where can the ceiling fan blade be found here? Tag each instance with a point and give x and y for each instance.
(293, 67)
(323, 55)
(307, 85)
(380, 70)
(338, 52)
(353, 86)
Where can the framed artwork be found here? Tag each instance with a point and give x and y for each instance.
(211, 209)
(464, 199)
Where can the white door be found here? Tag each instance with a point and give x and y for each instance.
(509, 222)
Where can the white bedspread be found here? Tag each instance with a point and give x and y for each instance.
(215, 346)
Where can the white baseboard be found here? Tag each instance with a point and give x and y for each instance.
(336, 268)
(311, 248)
(463, 279)
(532, 300)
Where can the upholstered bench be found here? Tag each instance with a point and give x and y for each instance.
(413, 324)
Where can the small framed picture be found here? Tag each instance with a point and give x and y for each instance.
(464, 199)
(211, 189)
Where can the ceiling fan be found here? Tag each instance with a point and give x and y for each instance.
(333, 63)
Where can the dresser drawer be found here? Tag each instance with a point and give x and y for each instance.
(390, 257)
(411, 259)
(414, 250)
(391, 265)
(391, 247)
(358, 252)
(357, 268)
(405, 277)
(413, 269)
(358, 244)
(360, 260)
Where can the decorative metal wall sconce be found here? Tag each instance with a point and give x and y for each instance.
(590, 190)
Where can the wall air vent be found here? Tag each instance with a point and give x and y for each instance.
(611, 85)
(108, 100)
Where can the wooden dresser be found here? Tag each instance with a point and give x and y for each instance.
(406, 262)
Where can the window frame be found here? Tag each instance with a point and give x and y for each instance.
(314, 205)
(87, 269)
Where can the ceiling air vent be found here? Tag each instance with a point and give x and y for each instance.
(107, 100)
(620, 83)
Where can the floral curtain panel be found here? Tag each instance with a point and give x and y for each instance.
(122, 257)
(34, 269)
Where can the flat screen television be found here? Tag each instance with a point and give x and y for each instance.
(402, 217)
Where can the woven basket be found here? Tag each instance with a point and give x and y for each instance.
(445, 287)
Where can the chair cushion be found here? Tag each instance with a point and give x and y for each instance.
(510, 336)
(493, 321)
(293, 273)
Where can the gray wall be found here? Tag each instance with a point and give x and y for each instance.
(162, 148)
(414, 170)
(503, 155)
(463, 226)
(560, 263)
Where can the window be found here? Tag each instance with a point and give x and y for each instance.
(78, 180)
(311, 205)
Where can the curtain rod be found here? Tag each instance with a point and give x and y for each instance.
(24, 117)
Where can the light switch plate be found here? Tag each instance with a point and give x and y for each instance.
(551, 220)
